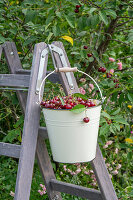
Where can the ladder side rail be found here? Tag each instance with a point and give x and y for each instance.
(98, 164)
(9, 47)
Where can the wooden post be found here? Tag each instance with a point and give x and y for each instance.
(30, 133)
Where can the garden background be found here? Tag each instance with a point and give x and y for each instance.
(98, 39)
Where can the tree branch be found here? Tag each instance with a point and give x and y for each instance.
(122, 23)
(120, 41)
(90, 3)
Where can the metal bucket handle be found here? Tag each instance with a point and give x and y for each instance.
(68, 69)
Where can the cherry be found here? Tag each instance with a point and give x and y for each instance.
(79, 99)
(78, 6)
(115, 80)
(108, 75)
(43, 103)
(117, 85)
(85, 47)
(68, 106)
(103, 69)
(76, 10)
(89, 55)
(86, 119)
(100, 69)
(82, 102)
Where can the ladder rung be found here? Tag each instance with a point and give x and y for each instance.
(75, 190)
(11, 150)
(14, 80)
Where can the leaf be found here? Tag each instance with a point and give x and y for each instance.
(69, 39)
(2, 39)
(104, 129)
(29, 40)
(130, 13)
(78, 108)
(117, 126)
(111, 128)
(103, 17)
(94, 21)
(130, 37)
(104, 114)
(115, 111)
(112, 13)
(120, 119)
(70, 21)
(62, 101)
(92, 10)
(130, 97)
(49, 36)
(80, 95)
(82, 33)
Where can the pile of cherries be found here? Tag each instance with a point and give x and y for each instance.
(68, 102)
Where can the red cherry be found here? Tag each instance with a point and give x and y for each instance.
(85, 47)
(115, 80)
(103, 69)
(79, 99)
(78, 6)
(82, 102)
(68, 106)
(43, 103)
(88, 104)
(76, 10)
(100, 69)
(86, 119)
(108, 75)
(47, 105)
(89, 55)
(117, 85)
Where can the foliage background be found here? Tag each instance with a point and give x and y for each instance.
(106, 27)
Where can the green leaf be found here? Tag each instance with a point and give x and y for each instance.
(120, 119)
(112, 128)
(78, 108)
(49, 36)
(82, 33)
(103, 17)
(94, 21)
(104, 129)
(80, 95)
(130, 37)
(104, 114)
(29, 40)
(130, 13)
(70, 21)
(117, 126)
(62, 101)
(2, 39)
(92, 10)
(130, 97)
(115, 111)
(112, 13)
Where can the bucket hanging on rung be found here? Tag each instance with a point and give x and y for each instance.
(71, 139)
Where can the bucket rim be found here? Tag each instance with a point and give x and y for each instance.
(70, 109)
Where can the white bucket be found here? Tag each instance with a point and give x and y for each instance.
(71, 139)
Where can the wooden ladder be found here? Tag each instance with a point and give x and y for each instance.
(33, 138)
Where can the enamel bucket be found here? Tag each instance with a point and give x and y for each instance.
(71, 139)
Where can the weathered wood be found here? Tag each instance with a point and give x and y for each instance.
(1, 49)
(30, 132)
(22, 99)
(13, 61)
(102, 176)
(46, 168)
(62, 75)
(14, 80)
(76, 190)
(11, 150)
(54, 78)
